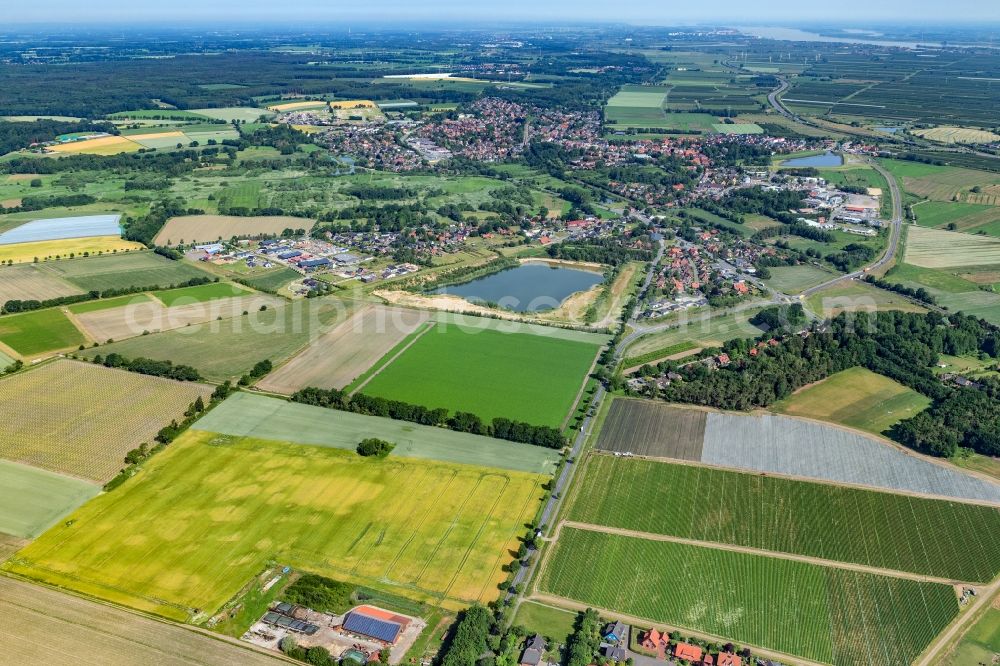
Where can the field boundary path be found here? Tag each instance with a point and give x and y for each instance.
(778, 555)
(959, 626)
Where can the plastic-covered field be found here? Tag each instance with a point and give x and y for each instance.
(789, 446)
(61, 228)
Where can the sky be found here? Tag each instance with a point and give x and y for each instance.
(653, 12)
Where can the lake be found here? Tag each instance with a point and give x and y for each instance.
(827, 159)
(533, 287)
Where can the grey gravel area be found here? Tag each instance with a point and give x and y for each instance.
(785, 445)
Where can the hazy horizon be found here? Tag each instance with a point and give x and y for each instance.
(722, 12)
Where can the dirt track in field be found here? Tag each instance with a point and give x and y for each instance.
(43, 626)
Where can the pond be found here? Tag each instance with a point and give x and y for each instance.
(827, 159)
(533, 287)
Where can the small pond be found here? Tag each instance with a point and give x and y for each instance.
(827, 159)
(533, 287)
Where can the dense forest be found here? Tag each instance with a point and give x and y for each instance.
(898, 345)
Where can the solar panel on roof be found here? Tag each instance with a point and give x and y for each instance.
(371, 626)
(271, 618)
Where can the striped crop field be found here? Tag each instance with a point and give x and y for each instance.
(876, 529)
(829, 615)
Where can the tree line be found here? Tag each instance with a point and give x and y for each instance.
(500, 428)
(902, 346)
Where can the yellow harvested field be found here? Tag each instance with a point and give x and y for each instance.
(208, 513)
(935, 248)
(157, 135)
(353, 104)
(340, 356)
(309, 129)
(297, 106)
(133, 320)
(957, 135)
(49, 250)
(210, 228)
(105, 145)
(46, 626)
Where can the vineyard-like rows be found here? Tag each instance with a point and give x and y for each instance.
(829, 615)
(905, 533)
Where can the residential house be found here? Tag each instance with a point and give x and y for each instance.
(692, 653)
(533, 651)
(616, 632)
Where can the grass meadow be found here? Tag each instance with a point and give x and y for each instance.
(519, 376)
(835, 523)
(208, 513)
(824, 614)
(858, 398)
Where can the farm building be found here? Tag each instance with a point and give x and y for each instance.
(373, 623)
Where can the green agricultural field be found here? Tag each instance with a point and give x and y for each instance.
(738, 128)
(227, 349)
(260, 417)
(123, 271)
(794, 279)
(32, 500)
(858, 398)
(970, 218)
(107, 303)
(824, 614)
(229, 114)
(519, 376)
(201, 293)
(39, 332)
(209, 512)
(841, 524)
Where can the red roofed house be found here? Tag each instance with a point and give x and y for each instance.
(728, 659)
(687, 651)
(652, 639)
